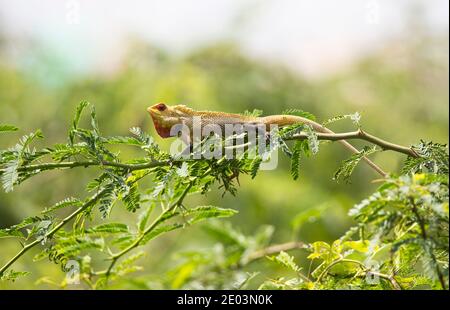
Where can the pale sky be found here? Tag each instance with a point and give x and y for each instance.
(310, 36)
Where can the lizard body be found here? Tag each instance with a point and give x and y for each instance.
(165, 117)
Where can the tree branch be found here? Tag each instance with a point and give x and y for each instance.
(50, 233)
(74, 164)
(361, 135)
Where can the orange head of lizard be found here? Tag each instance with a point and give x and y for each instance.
(165, 117)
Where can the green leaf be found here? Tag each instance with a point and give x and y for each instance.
(255, 165)
(159, 231)
(254, 113)
(10, 175)
(355, 117)
(433, 157)
(225, 233)
(144, 217)
(6, 128)
(12, 275)
(6, 233)
(15, 230)
(347, 167)
(112, 228)
(167, 216)
(146, 141)
(320, 249)
(295, 159)
(206, 212)
(313, 142)
(26, 140)
(97, 182)
(142, 136)
(81, 106)
(132, 199)
(122, 241)
(272, 285)
(286, 260)
(123, 140)
(94, 122)
(68, 202)
(360, 245)
(300, 113)
(127, 266)
(183, 171)
(291, 130)
(195, 215)
(183, 273)
(61, 152)
(107, 200)
(69, 248)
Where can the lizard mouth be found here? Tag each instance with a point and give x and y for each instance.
(162, 128)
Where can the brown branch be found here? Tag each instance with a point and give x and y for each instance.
(361, 135)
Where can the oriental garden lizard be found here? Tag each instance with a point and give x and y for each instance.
(165, 117)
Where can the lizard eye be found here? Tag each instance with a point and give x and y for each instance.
(161, 107)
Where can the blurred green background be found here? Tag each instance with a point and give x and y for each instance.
(399, 85)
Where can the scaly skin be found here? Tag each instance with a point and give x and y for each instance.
(165, 117)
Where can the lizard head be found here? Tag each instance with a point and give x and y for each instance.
(165, 117)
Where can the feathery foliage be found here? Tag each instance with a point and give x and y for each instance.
(400, 240)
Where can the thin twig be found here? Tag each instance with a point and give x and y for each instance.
(75, 164)
(361, 135)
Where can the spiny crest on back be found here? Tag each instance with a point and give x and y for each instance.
(182, 108)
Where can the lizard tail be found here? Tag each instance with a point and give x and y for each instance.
(285, 120)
